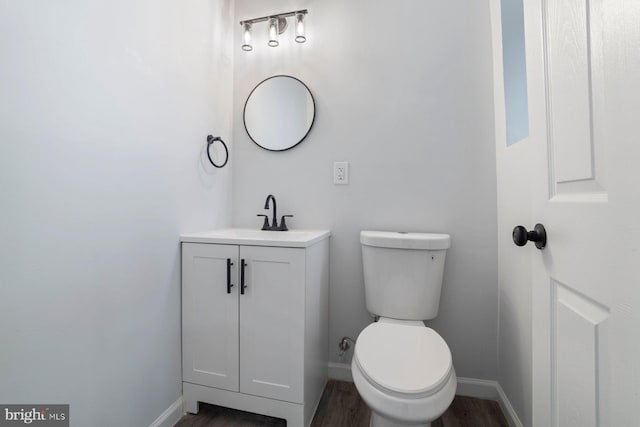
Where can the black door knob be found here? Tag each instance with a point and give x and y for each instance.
(538, 235)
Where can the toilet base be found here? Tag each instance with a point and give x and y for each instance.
(378, 420)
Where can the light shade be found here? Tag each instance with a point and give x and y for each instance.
(300, 36)
(273, 32)
(246, 33)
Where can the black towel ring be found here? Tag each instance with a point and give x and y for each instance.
(210, 140)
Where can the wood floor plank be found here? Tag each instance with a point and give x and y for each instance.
(471, 412)
(212, 415)
(341, 406)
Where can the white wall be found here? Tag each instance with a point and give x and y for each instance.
(514, 264)
(405, 95)
(104, 110)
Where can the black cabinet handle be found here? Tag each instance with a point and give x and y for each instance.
(538, 235)
(229, 284)
(242, 285)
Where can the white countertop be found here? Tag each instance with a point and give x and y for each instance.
(252, 237)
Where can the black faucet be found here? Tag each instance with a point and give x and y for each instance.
(274, 222)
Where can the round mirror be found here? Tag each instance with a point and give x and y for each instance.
(279, 113)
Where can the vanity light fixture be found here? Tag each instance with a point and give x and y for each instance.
(277, 24)
(246, 35)
(273, 32)
(300, 37)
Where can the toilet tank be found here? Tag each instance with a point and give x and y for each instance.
(403, 273)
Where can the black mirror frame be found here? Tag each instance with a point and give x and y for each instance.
(313, 119)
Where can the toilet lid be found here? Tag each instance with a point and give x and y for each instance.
(404, 359)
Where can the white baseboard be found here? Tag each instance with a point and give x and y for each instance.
(507, 409)
(480, 389)
(170, 416)
(487, 389)
(471, 387)
(340, 371)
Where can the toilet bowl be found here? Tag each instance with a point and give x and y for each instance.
(403, 372)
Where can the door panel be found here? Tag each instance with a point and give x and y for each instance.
(579, 334)
(271, 323)
(210, 316)
(568, 63)
(572, 39)
(583, 63)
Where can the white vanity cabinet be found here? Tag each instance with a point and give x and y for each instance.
(255, 321)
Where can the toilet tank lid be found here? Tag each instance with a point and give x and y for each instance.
(405, 240)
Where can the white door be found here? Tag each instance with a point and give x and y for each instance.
(583, 66)
(210, 315)
(272, 322)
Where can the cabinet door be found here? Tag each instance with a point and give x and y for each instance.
(272, 323)
(210, 315)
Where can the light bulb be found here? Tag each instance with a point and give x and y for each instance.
(246, 27)
(300, 37)
(273, 32)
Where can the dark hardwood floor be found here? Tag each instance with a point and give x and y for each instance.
(341, 406)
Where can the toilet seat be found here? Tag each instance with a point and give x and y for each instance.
(403, 359)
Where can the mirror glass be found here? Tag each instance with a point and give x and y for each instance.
(279, 113)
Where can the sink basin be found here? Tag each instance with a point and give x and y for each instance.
(247, 236)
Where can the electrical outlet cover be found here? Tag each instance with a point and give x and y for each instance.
(341, 173)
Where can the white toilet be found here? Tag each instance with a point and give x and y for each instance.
(401, 368)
